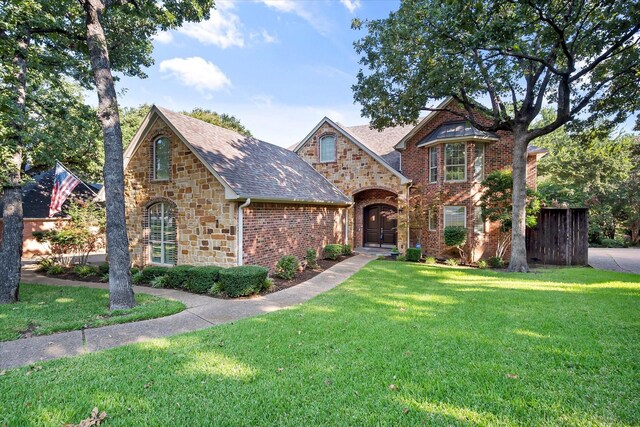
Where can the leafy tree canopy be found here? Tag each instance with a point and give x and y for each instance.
(496, 201)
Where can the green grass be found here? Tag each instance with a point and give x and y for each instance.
(397, 344)
(45, 309)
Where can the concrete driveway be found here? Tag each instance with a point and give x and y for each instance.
(617, 259)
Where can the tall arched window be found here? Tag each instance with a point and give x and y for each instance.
(328, 148)
(161, 159)
(162, 234)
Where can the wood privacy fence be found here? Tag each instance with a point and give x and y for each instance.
(561, 237)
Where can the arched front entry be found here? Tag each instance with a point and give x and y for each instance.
(380, 226)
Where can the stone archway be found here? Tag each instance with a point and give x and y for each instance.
(383, 199)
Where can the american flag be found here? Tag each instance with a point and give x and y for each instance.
(63, 185)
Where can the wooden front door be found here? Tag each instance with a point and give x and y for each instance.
(379, 229)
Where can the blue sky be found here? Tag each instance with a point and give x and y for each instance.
(277, 65)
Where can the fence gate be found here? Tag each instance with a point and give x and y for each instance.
(561, 237)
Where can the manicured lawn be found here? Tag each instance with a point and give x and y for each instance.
(397, 344)
(45, 309)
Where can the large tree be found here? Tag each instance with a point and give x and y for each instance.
(579, 56)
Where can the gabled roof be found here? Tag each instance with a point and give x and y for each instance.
(246, 166)
(353, 137)
(36, 196)
(381, 142)
(455, 130)
(401, 145)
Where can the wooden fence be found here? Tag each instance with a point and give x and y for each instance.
(561, 237)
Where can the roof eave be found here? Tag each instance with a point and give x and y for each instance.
(402, 144)
(458, 139)
(294, 201)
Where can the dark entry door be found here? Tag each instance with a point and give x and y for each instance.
(379, 229)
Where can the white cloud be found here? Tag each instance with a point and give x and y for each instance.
(196, 72)
(222, 29)
(297, 7)
(351, 5)
(268, 38)
(163, 37)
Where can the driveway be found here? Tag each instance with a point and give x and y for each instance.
(616, 259)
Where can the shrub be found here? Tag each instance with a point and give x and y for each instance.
(192, 279)
(395, 250)
(346, 250)
(148, 273)
(268, 283)
(613, 243)
(430, 260)
(287, 267)
(104, 278)
(216, 289)
(243, 280)
(45, 263)
(159, 282)
(138, 278)
(414, 254)
(133, 270)
(482, 264)
(178, 276)
(401, 258)
(85, 270)
(455, 236)
(496, 262)
(332, 251)
(103, 268)
(312, 258)
(452, 262)
(56, 269)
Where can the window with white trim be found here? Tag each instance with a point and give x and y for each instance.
(455, 162)
(455, 216)
(328, 148)
(433, 219)
(478, 222)
(433, 164)
(161, 159)
(162, 234)
(478, 162)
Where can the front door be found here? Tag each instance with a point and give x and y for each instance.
(379, 229)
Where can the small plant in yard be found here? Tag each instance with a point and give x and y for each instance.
(193, 279)
(56, 269)
(268, 283)
(243, 280)
(346, 250)
(332, 251)
(401, 258)
(44, 263)
(216, 289)
(414, 254)
(138, 278)
(456, 237)
(452, 262)
(496, 262)
(430, 260)
(104, 278)
(133, 270)
(312, 259)
(287, 267)
(85, 270)
(103, 268)
(159, 282)
(148, 273)
(482, 264)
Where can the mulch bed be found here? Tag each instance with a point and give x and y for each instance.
(73, 276)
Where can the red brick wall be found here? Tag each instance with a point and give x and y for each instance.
(30, 246)
(272, 230)
(415, 164)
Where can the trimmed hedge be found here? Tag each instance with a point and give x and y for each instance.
(193, 279)
(346, 250)
(414, 254)
(243, 280)
(332, 251)
(149, 273)
(455, 236)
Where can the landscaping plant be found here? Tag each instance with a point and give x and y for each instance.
(312, 259)
(332, 251)
(287, 267)
(414, 254)
(456, 237)
(243, 280)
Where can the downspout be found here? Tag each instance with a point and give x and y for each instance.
(346, 225)
(240, 231)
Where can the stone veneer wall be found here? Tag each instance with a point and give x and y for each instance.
(415, 163)
(206, 222)
(272, 230)
(353, 171)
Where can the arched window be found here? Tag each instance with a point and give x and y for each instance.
(328, 148)
(161, 159)
(162, 234)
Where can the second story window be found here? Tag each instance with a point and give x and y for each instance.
(433, 164)
(455, 162)
(328, 148)
(161, 159)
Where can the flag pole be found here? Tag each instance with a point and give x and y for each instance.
(75, 176)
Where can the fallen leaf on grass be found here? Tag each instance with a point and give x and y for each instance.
(2, 373)
(280, 369)
(149, 384)
(512, 376)
(405, 410)
(95, 419)
(393, 387)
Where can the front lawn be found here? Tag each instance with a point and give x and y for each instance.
(45, 309)
(397, 344)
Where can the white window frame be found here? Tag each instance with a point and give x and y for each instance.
(456, 165)
(335, 143)
(432, 167)
(477, 214)
(455, 207)
(162, 242)
(155, 163)
(482, 147)
(433, 219)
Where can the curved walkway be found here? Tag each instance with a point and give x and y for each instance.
(201, 312)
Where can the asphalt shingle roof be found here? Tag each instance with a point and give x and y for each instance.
(455, 130)
(381, 142)
(254, 168)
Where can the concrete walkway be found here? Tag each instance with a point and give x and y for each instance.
(201, 312)
(617, 259)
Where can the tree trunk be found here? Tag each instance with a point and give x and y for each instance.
(12, 217)
(120, 289)
(518, 262)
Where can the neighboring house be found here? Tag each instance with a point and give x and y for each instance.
(36, 197)
(200, 194)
